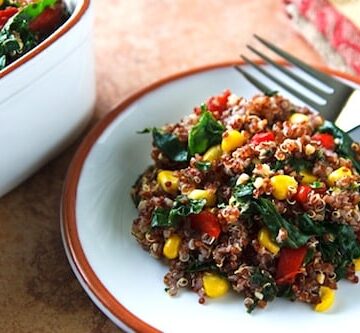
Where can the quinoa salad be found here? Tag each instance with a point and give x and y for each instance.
(256, 196)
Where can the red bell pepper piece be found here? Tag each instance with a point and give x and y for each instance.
(5, 14)
(206, 222)
(302, 193)
(218, 103)
(263, 137)
(48, 20)
(325, 139)
(289, 264)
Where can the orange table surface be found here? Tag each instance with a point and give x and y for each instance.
(136, 43)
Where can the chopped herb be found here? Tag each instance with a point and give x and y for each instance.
(344, 146)
(205, 134)
(203, 165)
(170, 145)
(274, 221)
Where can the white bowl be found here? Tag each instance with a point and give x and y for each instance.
(47, 97)
(123, 280)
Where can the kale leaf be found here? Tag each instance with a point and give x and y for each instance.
(182, 207)
(197, 266)
(262, 281)
(160, 218)
(344, 147)
(243, 197)
(300, 164)
(170, 145)
(243, 190)
(206, 133)
(340, 248)
(274, 221)
(310, 227)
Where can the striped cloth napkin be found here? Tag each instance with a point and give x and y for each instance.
(332, 27)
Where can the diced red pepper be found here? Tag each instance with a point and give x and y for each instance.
(263, 137)
(206, 222)
(289, 264)
(325, 139)
(218, 104)
(5, 14)
(48, 20)
(302, 193)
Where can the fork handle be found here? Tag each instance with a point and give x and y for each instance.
(349, 116)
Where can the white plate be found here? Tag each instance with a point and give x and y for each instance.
(97, 213)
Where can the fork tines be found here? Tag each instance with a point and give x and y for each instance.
(335, 87)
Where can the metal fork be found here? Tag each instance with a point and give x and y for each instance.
(342, 103)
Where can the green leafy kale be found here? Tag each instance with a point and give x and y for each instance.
(170, 145)
(262, 281)
(300, 164)
(274, 221)
(160, 218)
(243, 196)
(206, 133)
(345, 142)
(197, 266)
(203, 166)
(310, 227)
(182, 207)
(286, 292)
(243, 191)
(340, 248)
(309, 256)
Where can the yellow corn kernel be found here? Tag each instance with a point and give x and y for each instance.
(215, 285)
(168, 181)
(327, 296)
(338, 174)
(281, 184)
(213, 154)
(297, 118)
(357, 264)
(208, 195)
(171, 247)
(232, 139)
(307, 177)
(265, 240)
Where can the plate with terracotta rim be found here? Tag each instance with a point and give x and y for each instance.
(97, 213)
